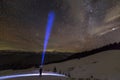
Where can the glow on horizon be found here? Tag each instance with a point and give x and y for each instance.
(51, 17)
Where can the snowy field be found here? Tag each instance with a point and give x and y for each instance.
(101, 66)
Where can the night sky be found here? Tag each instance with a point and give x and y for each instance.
(79, 24)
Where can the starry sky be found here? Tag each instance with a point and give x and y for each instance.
(79, 25)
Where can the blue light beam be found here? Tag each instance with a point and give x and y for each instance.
(51, 17)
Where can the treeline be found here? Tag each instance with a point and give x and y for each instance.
(114, 46)
(23, 60)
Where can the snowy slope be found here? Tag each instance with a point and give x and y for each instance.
(104, 66)
(101, 66)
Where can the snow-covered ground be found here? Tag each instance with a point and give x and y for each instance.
(101, 66)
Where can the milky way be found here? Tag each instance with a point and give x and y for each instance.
(80, 24)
